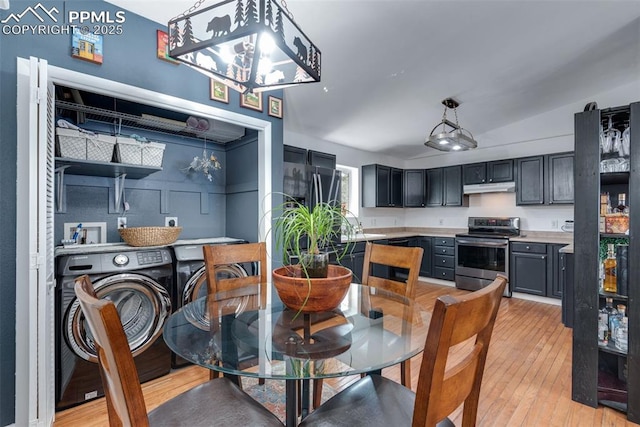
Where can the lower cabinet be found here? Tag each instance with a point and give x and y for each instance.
(426, 267)
(536, 268)
(444, 258)
(353, 260)
(566, 286)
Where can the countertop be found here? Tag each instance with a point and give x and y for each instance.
(525, 236)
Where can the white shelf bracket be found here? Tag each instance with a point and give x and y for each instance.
(118, 196)
(60, 193)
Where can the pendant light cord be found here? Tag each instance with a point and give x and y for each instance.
(196, 5)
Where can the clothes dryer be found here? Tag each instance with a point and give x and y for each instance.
(139, 282)
(191, 281)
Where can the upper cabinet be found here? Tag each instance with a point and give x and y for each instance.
(415, 188)
(545, 179)
(560, 178)
(294, 154)
(487, 172)
(323, 160)
(444, 187)
(382, 186)
(310, 157)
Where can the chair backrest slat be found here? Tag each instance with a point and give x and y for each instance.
(125, 401)
(450, 377)
(217, 255)
(408, 258)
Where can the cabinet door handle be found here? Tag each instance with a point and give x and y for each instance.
(444, 261)
(528, 248)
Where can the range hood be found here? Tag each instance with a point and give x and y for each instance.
(493, 187)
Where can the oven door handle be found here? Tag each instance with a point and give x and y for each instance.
(482, 244)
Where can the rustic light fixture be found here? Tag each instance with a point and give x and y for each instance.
(250, 45)
(458, 139)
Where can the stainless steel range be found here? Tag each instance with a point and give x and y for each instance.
(483, 252)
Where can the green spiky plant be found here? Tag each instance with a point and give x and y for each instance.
(318, 227)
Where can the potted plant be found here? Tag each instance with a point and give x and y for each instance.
(307, 237)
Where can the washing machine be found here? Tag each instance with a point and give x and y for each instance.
(191, 281)
(139, 282)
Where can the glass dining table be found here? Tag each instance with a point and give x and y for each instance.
(243, 334)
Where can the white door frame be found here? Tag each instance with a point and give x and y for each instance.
(34, 387)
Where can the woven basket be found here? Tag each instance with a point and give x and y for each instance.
(149, 236)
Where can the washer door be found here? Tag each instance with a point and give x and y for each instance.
(196, 287)
(143, 306)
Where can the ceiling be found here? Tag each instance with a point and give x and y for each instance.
(387, 65)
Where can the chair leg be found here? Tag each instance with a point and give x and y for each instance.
(317, 392)
(405, 373)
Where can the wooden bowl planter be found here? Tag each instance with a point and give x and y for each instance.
(311, 295)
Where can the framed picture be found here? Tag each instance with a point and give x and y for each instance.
(219, 91)
(163, 47)
(87, 47)
(275, 107)
(251, 100)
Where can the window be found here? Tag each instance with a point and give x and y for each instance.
(349, 189)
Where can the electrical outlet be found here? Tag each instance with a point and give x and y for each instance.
(441, 221)
(122, 222)
(170, 221)
(554, 224)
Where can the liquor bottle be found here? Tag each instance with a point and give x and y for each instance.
(615, 320)
(622, 335)
(610, 282)
(622, 203)
(603, 327)
(610, 313)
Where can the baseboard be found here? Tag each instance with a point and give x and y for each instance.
(519, 295)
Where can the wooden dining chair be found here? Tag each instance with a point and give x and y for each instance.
(216, 402)
(392, 257)
(447, 378)
(251, 289)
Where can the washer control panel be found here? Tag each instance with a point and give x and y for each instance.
(150, 257)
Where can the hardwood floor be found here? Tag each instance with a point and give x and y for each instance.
(527, 379)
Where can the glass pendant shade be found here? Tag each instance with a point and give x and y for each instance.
(455, 139)
(250, 45)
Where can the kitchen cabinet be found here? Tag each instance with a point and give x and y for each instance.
(444, 187)
(495, 171)
(381, 186)
(309, 157)
(434, 187)
(566, 286)
(415, 188)
(603, 375)
(530, 181)
(426, 267)
(323, 160)
(444, 258)
(545, 179)
(354, 259)
(294, 154)
(560, 178)
(554, 286)
(529, 268)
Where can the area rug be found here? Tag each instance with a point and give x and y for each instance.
(271, 394)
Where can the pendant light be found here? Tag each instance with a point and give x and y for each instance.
(455, 139)
(249, 45)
